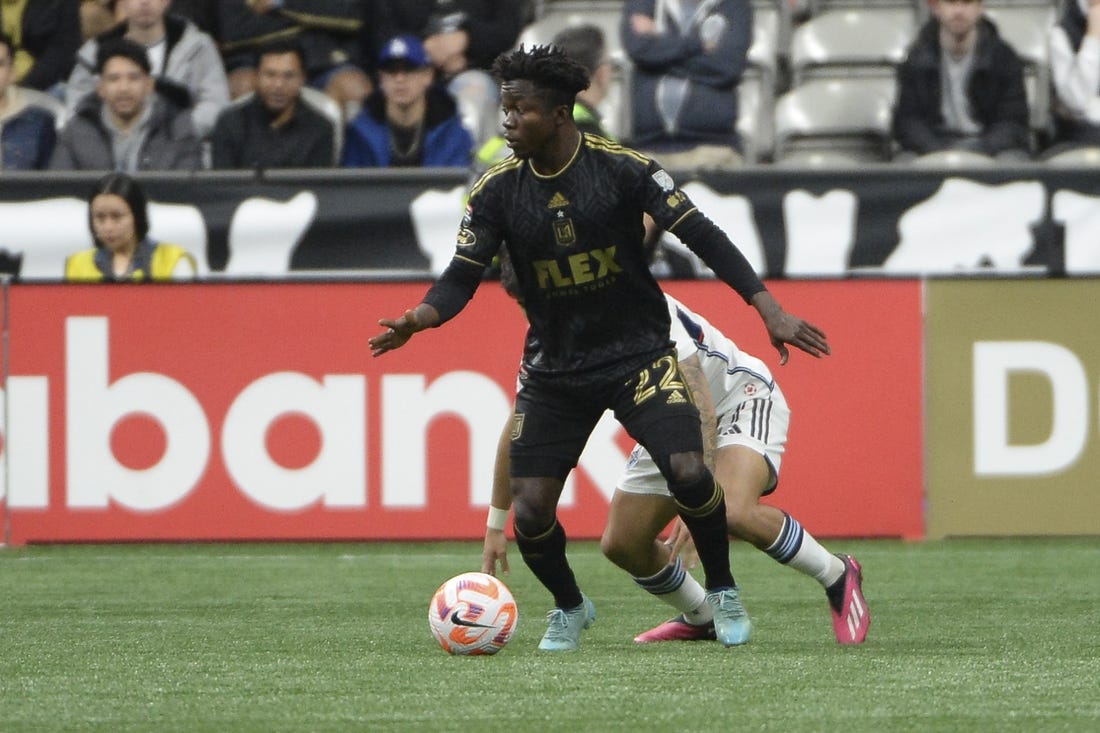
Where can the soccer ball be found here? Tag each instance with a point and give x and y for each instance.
(472, 613)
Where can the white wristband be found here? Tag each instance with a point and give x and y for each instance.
(497, 518)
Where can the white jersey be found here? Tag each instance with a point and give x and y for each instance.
(750, 407)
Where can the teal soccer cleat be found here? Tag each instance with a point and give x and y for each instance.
(565, 626)
(731, 621)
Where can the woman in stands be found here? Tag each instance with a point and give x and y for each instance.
(119, 219)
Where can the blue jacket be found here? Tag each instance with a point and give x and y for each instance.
(446, 141)
(27, 140)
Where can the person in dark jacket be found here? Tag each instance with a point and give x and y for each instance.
(688, 61)
(961, 87)
(407, 121)
(46, 34)
(457, 34)
(27, 132)
(276, 127)
(329, 32)
(131, 122)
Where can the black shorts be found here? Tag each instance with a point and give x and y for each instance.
(552, 422)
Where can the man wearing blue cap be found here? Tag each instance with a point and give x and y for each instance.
(407, 121)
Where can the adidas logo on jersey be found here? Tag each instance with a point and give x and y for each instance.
(676, 398)
(558, 201)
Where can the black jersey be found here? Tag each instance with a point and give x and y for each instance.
(575, 240)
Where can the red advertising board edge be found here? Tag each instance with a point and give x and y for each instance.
(253, 411)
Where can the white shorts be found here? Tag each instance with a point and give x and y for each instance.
(759, 421)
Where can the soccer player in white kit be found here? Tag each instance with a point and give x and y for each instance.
(745, 418)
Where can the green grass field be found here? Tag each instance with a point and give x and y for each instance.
(968, 635)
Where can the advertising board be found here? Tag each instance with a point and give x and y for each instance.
(253, 411)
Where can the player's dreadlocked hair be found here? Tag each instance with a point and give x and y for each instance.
(556, 76)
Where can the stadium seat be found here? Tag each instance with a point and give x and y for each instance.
(783, 23)
(852, 42)
(756, 92)
(754, 121)
(1084, 157)
(556, 16)
(831, 117)
(1024, 26)
(330, 108)
(953, 159)
(821, 159)
(817, 7)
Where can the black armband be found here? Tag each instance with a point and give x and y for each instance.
(704, 238)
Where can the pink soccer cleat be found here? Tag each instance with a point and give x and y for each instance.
(851, 617)
(677, 629)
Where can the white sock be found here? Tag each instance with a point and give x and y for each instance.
(796, 547)
(679, 589)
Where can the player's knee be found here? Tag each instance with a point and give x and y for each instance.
(531, 519)
(614, 547)
(533, 507)
(681, 469)
(736, 521)
(624, 551)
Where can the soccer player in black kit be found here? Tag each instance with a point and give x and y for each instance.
(568, 207)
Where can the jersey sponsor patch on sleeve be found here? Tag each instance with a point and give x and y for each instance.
(466, 237)
(664, 180)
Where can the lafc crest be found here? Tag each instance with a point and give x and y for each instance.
(564, 234)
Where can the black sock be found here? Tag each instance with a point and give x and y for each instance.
(545, 555)
(835, 593)
(702, 506)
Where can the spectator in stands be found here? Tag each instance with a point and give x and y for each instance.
(119, 219)
(99, 16)
(127, 124)
(1075, 69)
(203, 13)
(961, 87)
(462, 38)
(587, 45)
(26, 131)
(408, 121)
(46, 34)
(688, 60)
(178, 52)
(329, 32)
(275, 128)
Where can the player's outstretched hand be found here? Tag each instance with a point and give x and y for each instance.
(787, 329)
(783, 329)
(398, 332)
(495, 551)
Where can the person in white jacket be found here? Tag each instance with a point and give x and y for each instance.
(179, 54)
(1075, 70)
